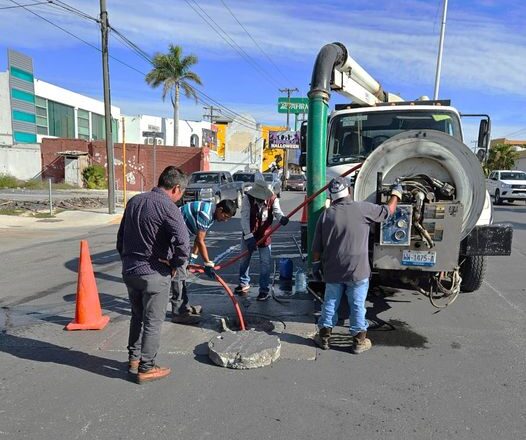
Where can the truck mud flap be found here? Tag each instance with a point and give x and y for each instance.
(488, 240)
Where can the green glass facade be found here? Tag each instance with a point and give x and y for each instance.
(61, 120)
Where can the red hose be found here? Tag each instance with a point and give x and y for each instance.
(200, 269)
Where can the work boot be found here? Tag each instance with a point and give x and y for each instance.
(133, 366)
(186, 318)
(360, 343)
(263, 295)
(154, 373)
(322, 338)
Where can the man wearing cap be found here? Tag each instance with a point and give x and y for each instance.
(340, 256)
(260, 206)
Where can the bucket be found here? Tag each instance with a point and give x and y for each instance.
(285, 269)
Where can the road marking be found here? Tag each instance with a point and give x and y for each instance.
(511, 304)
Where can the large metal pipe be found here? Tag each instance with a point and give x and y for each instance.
(330, 55)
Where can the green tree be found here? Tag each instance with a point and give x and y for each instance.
(172, 70)
(501, 157)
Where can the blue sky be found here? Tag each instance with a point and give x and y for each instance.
(483, 71)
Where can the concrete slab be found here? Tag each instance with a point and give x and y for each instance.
(244, 350)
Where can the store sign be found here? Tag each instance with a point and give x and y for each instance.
(289, 140)
(294, 105)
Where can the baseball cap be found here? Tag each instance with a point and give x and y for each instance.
(338, 188)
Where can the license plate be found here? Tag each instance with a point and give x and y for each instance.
(419, 258)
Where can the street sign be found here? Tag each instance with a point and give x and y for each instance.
(289, 140)
(295, 105)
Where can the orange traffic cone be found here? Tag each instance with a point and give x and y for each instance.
(88, 314)
(304, 216)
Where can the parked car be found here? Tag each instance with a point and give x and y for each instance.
(211, 186)
(273, 182)
(244, 180)
(296, 182)
(507, 185)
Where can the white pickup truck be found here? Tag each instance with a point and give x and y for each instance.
(506, 185)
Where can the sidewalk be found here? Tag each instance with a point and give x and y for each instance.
(65, 219)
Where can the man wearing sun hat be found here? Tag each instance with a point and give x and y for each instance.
(340, 256)
(260, 206)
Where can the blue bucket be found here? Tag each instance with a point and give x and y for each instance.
(285, 269)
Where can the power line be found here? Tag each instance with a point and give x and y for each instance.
(231, 43)
(75, 11)
(254, 41)
(206, 100)
(24, 6)
(74, 36)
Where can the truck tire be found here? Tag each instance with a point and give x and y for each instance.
(498, 200)
(472, 271)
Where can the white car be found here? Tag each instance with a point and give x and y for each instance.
(507, 185)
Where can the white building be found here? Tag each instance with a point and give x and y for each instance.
(142, 129)
(31, 109)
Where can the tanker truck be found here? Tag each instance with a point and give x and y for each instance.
(442, 232)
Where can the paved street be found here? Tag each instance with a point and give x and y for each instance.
(451, 374)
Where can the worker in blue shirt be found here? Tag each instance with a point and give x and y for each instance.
(198, 217)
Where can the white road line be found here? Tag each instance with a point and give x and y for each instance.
(511, 304)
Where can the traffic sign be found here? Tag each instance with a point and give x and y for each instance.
(294, 105)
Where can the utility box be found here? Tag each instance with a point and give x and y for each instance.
(401, 246)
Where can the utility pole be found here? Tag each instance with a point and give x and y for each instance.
(440, 50)
(107, 107)
(210, 115)
(288, 92)
(285, 152)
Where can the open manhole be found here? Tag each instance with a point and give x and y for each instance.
(255, 323)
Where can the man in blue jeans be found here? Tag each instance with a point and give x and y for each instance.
(340, 255)
(258, 210)
(153, 243)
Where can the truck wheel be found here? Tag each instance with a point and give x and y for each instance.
(239, 199)
(498, 200)
(472, 271)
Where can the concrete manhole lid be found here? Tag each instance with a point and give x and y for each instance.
(244, 349)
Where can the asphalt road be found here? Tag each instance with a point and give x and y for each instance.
(451, 374)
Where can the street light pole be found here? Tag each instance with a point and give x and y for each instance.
(440, 50)
(107, 107)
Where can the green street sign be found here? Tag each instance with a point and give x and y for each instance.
(294, 105)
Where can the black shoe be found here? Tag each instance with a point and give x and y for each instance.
(242, 290)
(186, 318)
(263, 296)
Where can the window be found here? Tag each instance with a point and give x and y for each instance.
(97, 126)
(353, 136)
(61, 119)
(115, 131)
(41, 109)
(83, 124)
(194, 140)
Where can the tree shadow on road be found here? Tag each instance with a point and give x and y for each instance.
(40, 351)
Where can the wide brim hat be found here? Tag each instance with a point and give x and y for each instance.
(260, 191)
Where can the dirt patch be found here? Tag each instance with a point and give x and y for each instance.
(35, 208)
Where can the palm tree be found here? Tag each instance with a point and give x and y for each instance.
(172, 70)
(501, 157)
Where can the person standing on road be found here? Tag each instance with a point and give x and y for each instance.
(260, 206)
(152, 229)
(199, 218)
(340, 256)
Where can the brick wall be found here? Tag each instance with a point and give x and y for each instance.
(139, 160)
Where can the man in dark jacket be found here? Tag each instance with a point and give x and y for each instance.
(151, 232)
(258, 210)
(340, 250)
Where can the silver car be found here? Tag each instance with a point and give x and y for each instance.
(273, 182)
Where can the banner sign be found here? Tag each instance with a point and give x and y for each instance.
(289, 140)
(294, 105)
